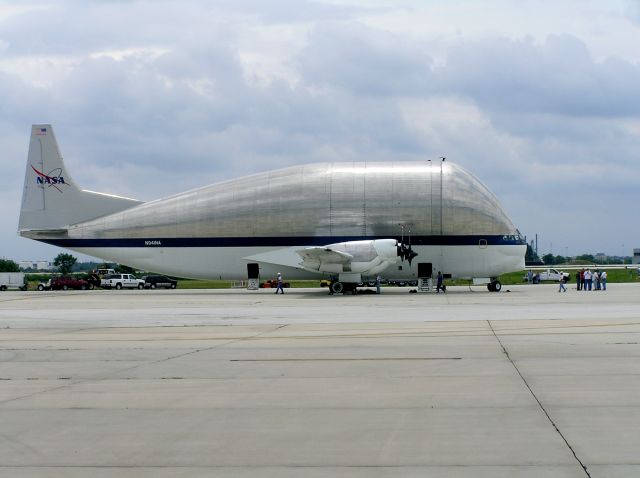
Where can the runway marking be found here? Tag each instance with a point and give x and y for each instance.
(105, 376)
(344, 359)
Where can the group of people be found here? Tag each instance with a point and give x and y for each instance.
(587, 280)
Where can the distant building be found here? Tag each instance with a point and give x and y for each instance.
(36, 265)
(601, 257)
(636, 256)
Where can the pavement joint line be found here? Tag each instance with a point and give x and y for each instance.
(105, 376)
(557, 429)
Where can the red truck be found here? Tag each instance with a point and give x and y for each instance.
(65, 283)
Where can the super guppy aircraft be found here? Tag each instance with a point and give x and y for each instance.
(348, 221)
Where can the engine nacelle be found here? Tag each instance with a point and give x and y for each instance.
(353, 257)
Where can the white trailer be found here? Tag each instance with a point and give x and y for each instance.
(12, 280)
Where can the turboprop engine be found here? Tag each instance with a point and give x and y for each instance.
(353, 257)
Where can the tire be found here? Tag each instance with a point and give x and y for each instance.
(83, 287)
(118, 286)
(40, 287)
(153, 286)
(64, 287)
(140, 286)
(3, 288)
(173, 286)
(494, 286)
(337, 287)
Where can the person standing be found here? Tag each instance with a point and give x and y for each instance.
(279, 288)
(587, 280)
(583, 279)
(378, 284)
(439, 285)
(603, 280)
(579, 277)
(529, 276)
(562, 288)
(596, 280)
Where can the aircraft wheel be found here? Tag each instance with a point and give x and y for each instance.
(494, 286)
(337, 287)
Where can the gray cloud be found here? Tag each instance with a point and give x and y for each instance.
(558, 76)
(364, 61)
(149, 99)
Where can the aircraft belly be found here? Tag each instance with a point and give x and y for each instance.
(230, 262)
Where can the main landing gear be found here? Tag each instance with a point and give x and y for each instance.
(343, 288)
(494, 286)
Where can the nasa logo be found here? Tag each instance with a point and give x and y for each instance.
(152, 243)
(52, 179)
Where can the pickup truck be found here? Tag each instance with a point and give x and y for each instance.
(548, 275)
(118, 281)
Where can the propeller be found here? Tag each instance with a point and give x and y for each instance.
(404, 251)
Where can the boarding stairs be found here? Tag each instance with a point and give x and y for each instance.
(425, 284)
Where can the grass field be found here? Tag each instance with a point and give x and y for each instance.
(614, 275)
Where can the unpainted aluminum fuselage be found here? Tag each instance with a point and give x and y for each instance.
(454, 222)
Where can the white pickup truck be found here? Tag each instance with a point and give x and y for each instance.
(118, 281)
(547, 275)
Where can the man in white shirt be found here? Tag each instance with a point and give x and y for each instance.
(587, 279)
(603, 280)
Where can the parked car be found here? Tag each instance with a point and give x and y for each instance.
(151, 282)
(65, 283)
(44, 285)
(118, 281)
(548, 275)
(95, 276)
(273, 283)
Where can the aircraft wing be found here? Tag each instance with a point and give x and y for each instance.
(324, 254)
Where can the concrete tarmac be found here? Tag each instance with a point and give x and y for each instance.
(193, 383)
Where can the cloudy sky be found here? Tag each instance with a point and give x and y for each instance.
(539, 99)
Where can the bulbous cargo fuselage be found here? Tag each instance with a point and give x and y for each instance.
(455, 223)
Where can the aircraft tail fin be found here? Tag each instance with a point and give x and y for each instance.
(51, 200)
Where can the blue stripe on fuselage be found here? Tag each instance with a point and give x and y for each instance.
(284, 241)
